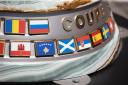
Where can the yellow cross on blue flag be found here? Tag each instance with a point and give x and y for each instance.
(105, 32)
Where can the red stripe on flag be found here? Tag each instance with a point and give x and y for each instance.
(95, 33)
(15, 53)
(26, 53)
(37, 31)
(20, 53)
(1, 48)
(98, 42)
(83, 38)
(22, 26)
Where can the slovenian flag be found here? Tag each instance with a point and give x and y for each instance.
(20, 49)
(15, 26)
(83, 42)
(38, 26)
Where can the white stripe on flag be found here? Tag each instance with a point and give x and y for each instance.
(14, 46)
(36, 22)
(85, 46)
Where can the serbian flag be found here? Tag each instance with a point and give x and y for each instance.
(2, 45)
(111, 25)
(20, 49)
(83, 42)
(38, 27)
(15, 26)
(96, 37)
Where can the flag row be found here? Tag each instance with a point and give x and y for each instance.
(18, 26)
(60, 46)
(41, 26)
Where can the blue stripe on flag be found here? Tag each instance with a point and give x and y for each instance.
(85, 42)
(45, 26)
(8, 26)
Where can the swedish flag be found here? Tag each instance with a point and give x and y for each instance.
(105, 31)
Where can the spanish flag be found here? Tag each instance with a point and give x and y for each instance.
(15, 26)
(96, 37)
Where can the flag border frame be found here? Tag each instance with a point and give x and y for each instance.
(38, 33)
(92, 37)
(35, 52)
(102, 32)
(14, 33)
(77, 47)
(57, 46)
(19, 56)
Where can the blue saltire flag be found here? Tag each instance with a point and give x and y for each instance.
(66, 46)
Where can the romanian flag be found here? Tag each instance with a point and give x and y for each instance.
(2, 45)
(38, 27)
(15, 26)
(96, 37)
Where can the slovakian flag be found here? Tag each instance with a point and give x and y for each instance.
(66, 46)
(13, 26)
(2, 46)
(105, 32)
(83, 42)
(96, 37)
(20, 49)
(111, 25)
(44, 49)
(38, 26)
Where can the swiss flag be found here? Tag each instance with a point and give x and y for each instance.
(20, 49)
(111, 24)
(2, 44)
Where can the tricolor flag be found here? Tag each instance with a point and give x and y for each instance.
(15, 26)
(83, 42)
(20, 49)
(111, 25)
(44, 49)
(2, 46)
(96, 37)
(105, 32)
(38, 26)
(66, 46)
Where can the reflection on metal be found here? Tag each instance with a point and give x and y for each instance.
(80, 21)
(90, 18)
(67, 24)
(83, 80)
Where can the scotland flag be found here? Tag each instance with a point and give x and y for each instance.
(44, 49)
(66, 46)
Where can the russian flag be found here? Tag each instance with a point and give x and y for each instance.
(84, 42)
(38, 26)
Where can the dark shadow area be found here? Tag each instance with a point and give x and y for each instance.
(116, 73)
(121, 21)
